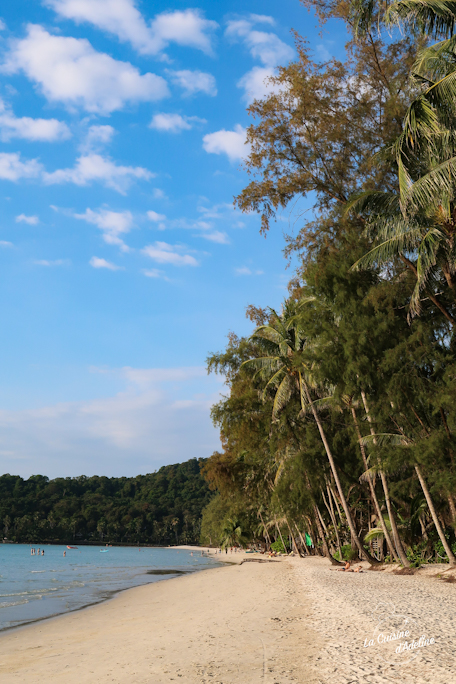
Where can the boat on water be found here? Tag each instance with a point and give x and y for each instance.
(104, 550)
(71, 547)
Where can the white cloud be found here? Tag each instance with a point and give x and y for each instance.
(122, 18)
(155, 273)
(216, 236)
(94, 167)
(113, 224)
(174, 123)
(194, 82)
(267, 47)
(231, 143)
(153, 216)
(97, 137)
(96, 262)
(256, 85)
(69, 70)
(116, 431)
(13, 169)
(2, 25)
(44, 130)
(163, 253)
(56, 262)
(244, 270)
(5, 243)
(31, 220)
(158, 193)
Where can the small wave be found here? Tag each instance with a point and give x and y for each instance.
(5, 604)
(37, 571)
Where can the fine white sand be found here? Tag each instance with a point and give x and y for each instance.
(290, 620)
(238, 624)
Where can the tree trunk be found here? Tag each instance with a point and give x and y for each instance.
(280, 535)
(372, 489)
(438, 527)
(293, 540)
(333, 518)
(326, 551)
(397, 540)
(452, 507)
(303, 543)
(364, 554)
(268, 538)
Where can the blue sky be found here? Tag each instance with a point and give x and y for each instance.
(123, 261)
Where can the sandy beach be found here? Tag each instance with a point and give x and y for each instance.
(290, 620)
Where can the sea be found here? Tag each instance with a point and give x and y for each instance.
(36, 587)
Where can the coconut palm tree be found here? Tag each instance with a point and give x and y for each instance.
(231, 534)
(416, 222)
(289, 369)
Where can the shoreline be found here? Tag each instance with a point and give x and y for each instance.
(109, 595)
(217, 623)
(283, 621)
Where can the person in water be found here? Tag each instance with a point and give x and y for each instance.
(64, 554)
(42, 552)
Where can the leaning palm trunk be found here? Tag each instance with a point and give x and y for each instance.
(333, 518)
(372, 489)
(303, 543)
(397, 540)
(280, 535)
(362, 551)
(293, 540)
(321, 534)
(266, 533)
(437, 524)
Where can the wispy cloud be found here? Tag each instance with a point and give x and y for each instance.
(113, 224)
(193, 82)
(122, 18)
(244, 270)
(166, 407)
(96, 262)
(264, 46)
(164, 253)
(31, 220)
(55, 262)
(174, 123)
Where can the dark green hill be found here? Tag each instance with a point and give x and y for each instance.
(160, 508)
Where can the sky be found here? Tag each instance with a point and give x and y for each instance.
(123, 261)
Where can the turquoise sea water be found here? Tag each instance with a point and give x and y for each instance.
(36, 587)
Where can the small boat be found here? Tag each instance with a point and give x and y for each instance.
(71, 547)
(104, 550)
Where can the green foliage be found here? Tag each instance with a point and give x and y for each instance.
(348, 553)
(161, 508)
(278, 547)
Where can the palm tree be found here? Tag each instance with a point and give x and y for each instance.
(231, 534)
(287, 371)
(403, 440)
(417, 223)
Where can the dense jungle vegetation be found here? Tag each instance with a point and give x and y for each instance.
(160, 508)
(339, 419)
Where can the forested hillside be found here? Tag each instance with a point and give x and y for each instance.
(160, 508)
(340, 417)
